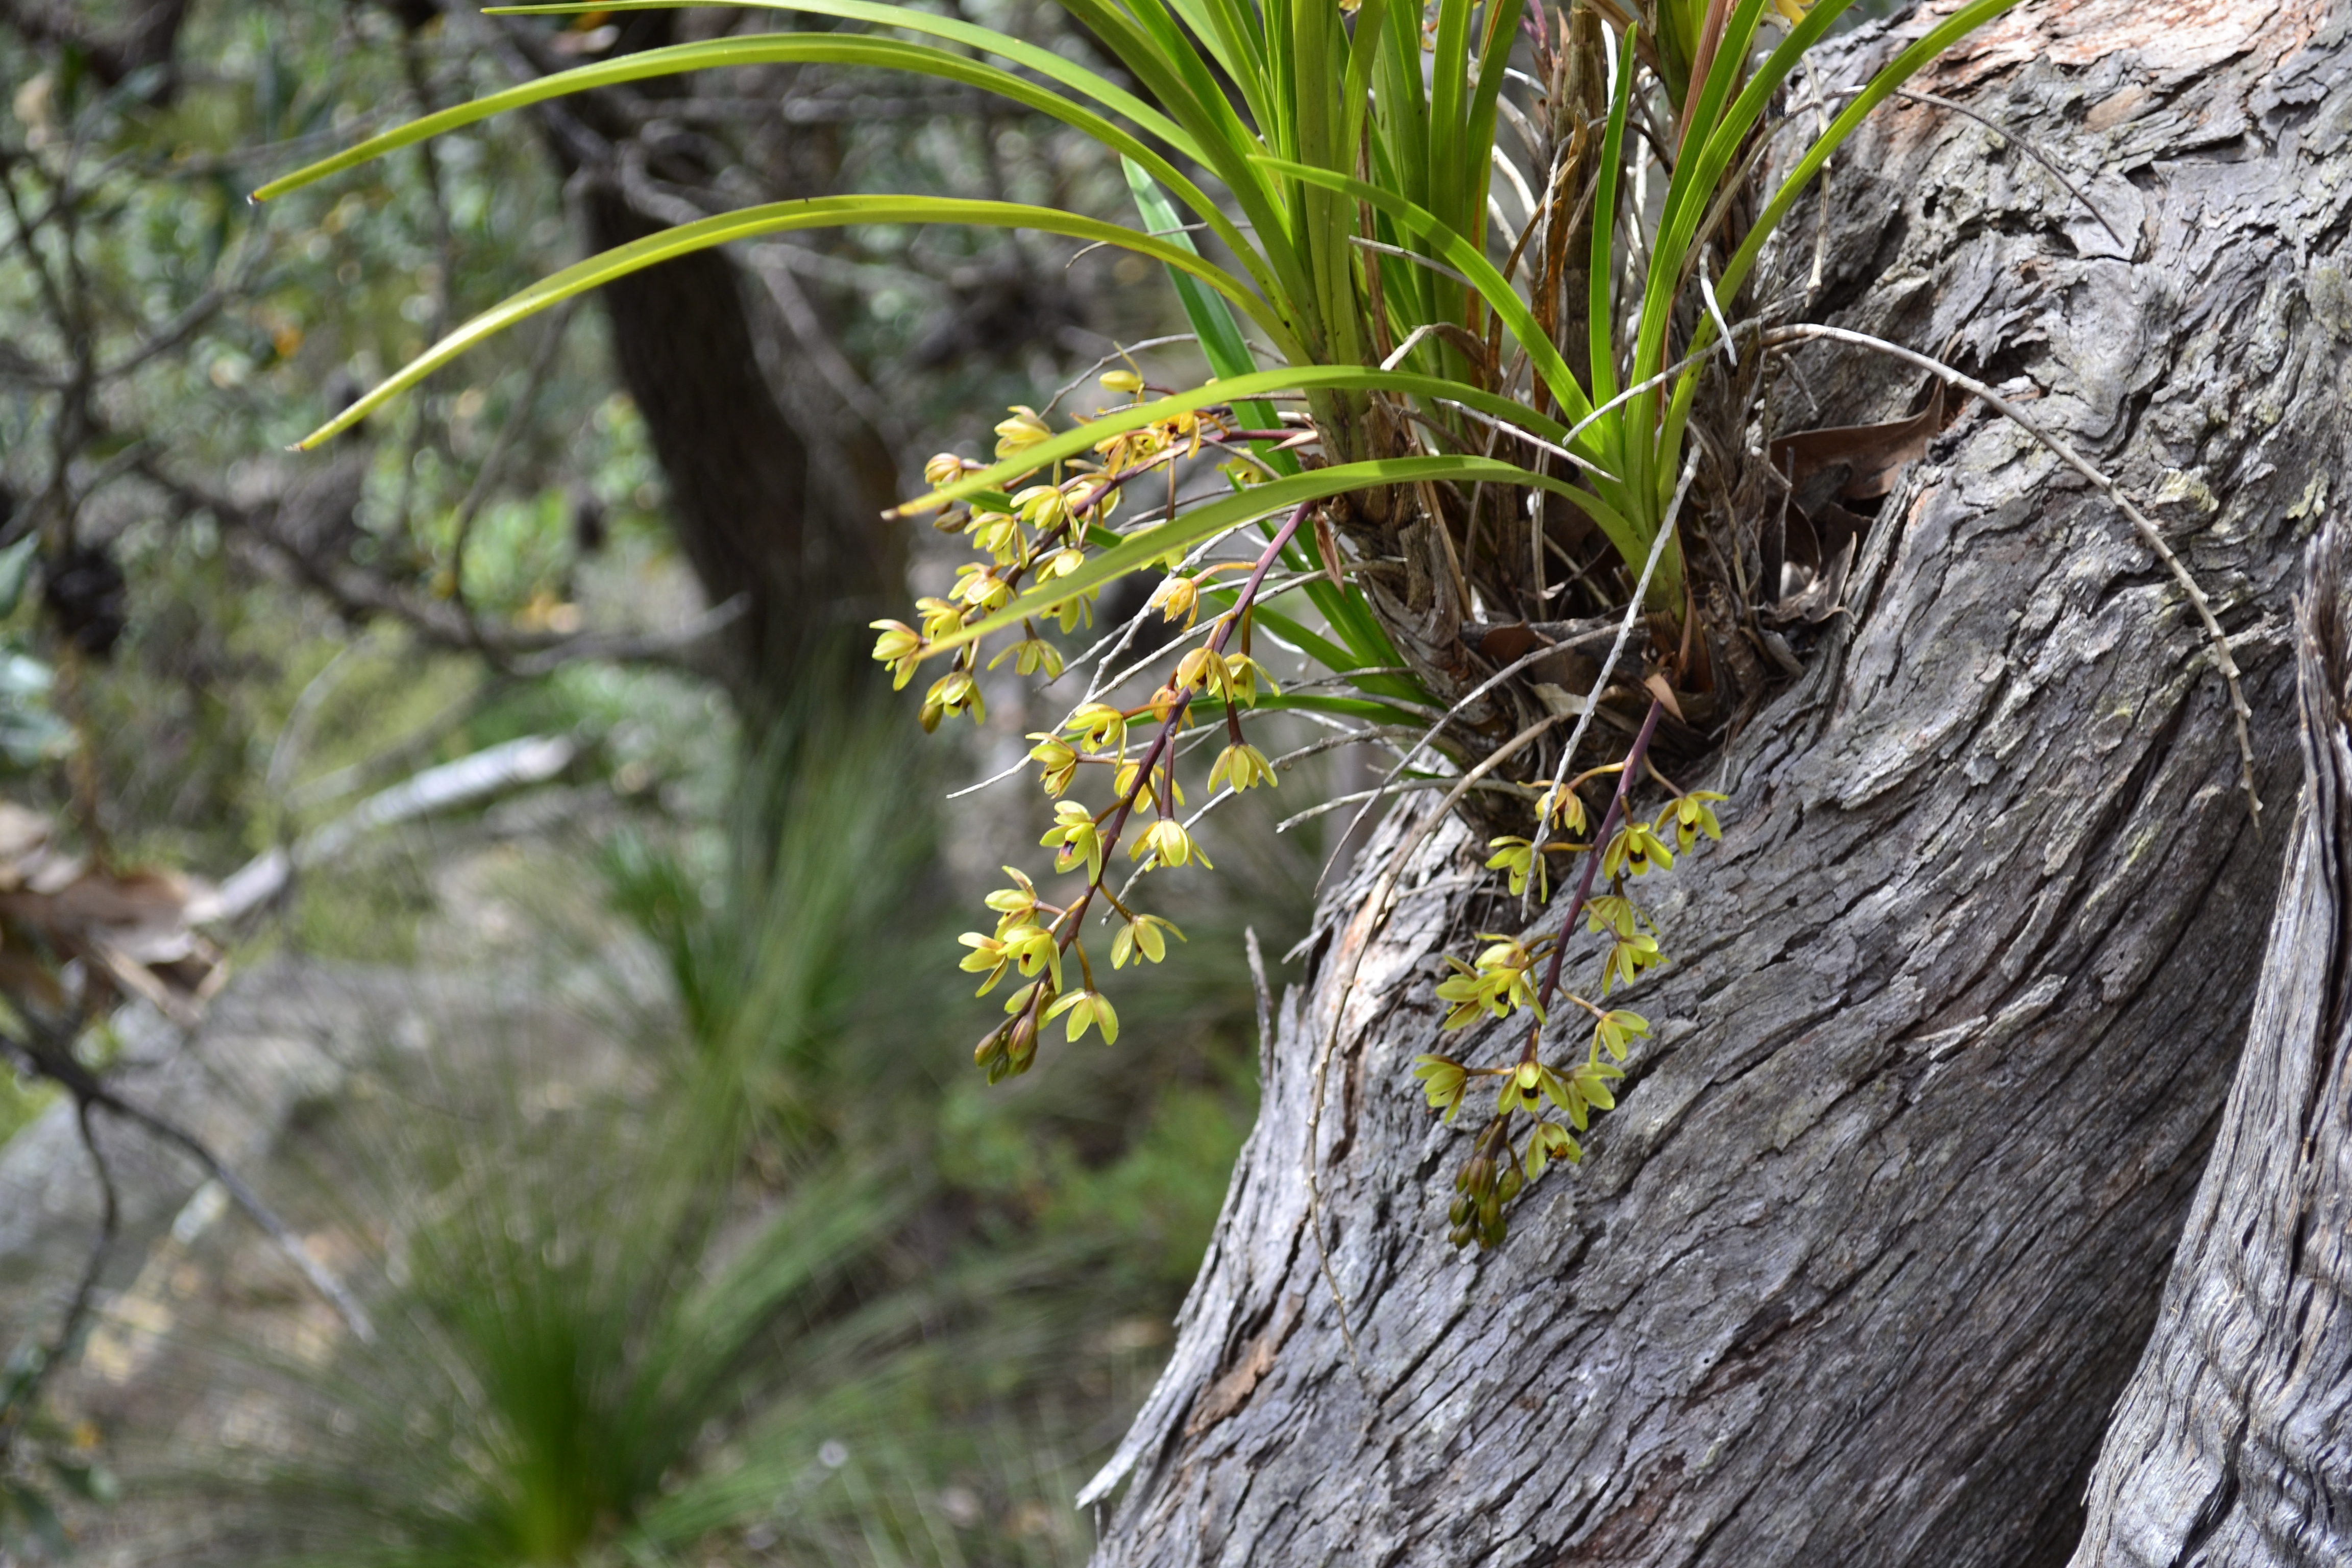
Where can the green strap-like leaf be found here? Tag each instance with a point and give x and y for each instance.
(1472, 263)
(1778, 66)
(1214, 517)
(1213, 322)
(778, 217)
(1356, 93)
(1501, 26)
(1900, 69)
(1235, 390)
(1449, 79)
(783, 48)
(1650, 466)
(1198, 120)
(1711, 143)
(988, 40)
(1688, 182)
(1599, 300)
(1149, 41)
(1236, 37)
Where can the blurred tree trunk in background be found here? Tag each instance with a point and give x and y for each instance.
(749, 511)
(776, 500)
(1855, 1273)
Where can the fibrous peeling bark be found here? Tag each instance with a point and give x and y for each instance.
(2232, 1447)
(1856, 1270)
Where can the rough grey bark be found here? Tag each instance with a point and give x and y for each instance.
(1855, 1272)
(2233, 1444)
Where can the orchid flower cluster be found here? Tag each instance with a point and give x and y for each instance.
(1043, 530)
(1559, 1098)
(1344, 160)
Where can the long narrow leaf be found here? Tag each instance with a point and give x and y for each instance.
(780, 48)
(1502, 28)
(1731, 58)
(1215, 517)
(1212, 320)
(1600, 307)
(1449, 72)
(1233, 36)
(1120, 421)
(1355, 95)
(1324, 219)
(988, 40)
(1149, 40)
(780, 217)
(1472, 263)
(1195, 118)
(1695, 180)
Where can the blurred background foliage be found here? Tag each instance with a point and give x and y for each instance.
(705, 1244)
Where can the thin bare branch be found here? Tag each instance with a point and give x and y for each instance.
(2065, 454)
(61, 1346)
(1624, 632)
(323, 1278)
(48, 1053)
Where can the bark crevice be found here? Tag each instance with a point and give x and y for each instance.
(2232, 1445)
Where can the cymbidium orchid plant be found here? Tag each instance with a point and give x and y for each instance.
(1459, 426)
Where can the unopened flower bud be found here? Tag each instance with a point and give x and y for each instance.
(1021, 1042)
(1024, 430)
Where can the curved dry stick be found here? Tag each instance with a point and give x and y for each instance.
(2025, 146)
(1820, 102)
(2106, 486)
(323, 1280)
(110, 1223)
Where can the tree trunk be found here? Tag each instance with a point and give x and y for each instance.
(774, 498)
(758, 508)
(2230, 1446)
(1855, 1273)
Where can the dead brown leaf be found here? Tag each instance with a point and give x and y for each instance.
(128, 929)
(1873, 454)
